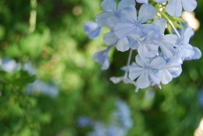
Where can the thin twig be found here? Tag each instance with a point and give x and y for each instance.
(128, 64)
(170, 22)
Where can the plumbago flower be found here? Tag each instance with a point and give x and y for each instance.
(142, 1)
(146, 46)
(165, 42)
(172, 69)
(187, 51)
(110, 18)
(92, 29)
(124, 78)
(174, 7)
(130, 24)
(119, 125)
(159, 56)
(111, 39)
(103, 58)
(112, 11)
(147, 71)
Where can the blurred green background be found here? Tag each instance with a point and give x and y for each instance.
(49, 34)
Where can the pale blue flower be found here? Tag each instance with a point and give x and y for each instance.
(125, 114)
(115, 130)
(102, 130)
(161, 1)
(146, 71)
(99, 130)
(187, 51)
(27, 66)
(8, 65)
(184, 25)
(103, 58)
(111, 39)
(172, 69)
(92, 29)
(119, 125)
(174, 7)
(111, 10)
(165, 42)
(142, 1)
(84, 121)
(194, 54)
(146, 46)
(42, 87)
(183, 46)
(126, 80)
(132, 24)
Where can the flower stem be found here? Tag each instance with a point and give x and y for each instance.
(128, 64)
(170, 22)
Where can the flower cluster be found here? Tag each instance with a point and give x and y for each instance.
(119, 124)
(159, 56)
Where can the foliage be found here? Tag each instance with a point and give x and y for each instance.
(62, 55)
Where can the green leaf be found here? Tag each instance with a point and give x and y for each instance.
(23, 80)
(2, 32)
(13, 51)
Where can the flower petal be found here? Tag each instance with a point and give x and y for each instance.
(170, 39)
(150, 27)
(133, 41)
(158, 63)
(194, 54)
(176, 74)
(90, 26)
(95, 33)
(174, 8)
(122, 44)
(121, 30)
(125, 3)
(143, 51)
(143, 80)
(110, 38)
(185, 50)
(92, 29)
(189, 5)
(128, 81)
(198, 53)
(102, 57)
(109, 5)
(102, 17)
(142, 1)
(174, 68)
(156, 78)
(167, 49)
(134, 72)
(111, 22)
(116, 80)
(161, 22)
(140, 61)
(147, 12)
(129, 14)
(149, 36)
(166, 77)
(189, 32)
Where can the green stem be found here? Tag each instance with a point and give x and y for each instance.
(167, 18)
(2, 80)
